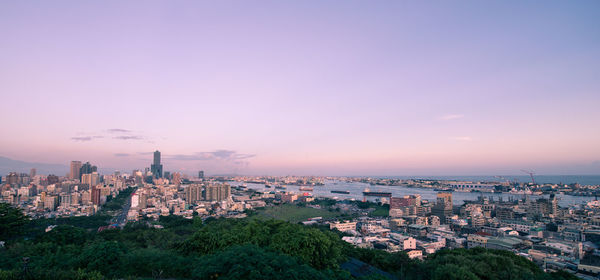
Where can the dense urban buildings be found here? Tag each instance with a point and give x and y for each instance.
(528, 223)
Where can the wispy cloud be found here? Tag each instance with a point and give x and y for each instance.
(121, 134)
(451, 117)
(82, 138)
(118, 130)
(224, 155)
(128, 137)
(462, 138)
(121, 155)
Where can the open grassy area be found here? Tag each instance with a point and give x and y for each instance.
(294, 213)
(380, 211)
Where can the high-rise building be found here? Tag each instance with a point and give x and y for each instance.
(52, 179)
(50, 202)
(75, 170)
(143, 201)
(406, 201)
(193, 193)
(12, 178)
(200, 174)
(95, 195)
(405, 206)
(176, 178)
(32, 173)
(87, 168)
(504, 213)
(218, 192)
(75, 198)
(86, 197)
(443, 206)
(91, 179)
(65, 199)
(156, 168)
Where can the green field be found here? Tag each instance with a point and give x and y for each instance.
(294, 213)
(380, 211)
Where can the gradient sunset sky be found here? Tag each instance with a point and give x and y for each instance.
(304, 87)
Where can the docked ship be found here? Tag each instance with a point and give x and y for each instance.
(280, 187)
(368, 192)
(310, 189)
(344, 192)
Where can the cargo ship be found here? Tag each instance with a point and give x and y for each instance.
(306, 189)
(344, 192)
(368, 192)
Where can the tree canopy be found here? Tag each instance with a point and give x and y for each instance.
(12, 221)
(225, 249)
(253, 262)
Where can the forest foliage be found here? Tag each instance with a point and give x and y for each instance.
(224, 249)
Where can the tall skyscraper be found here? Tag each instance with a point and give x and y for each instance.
(156, 168)
(75, 170)
(32, 173)
(200, 174)
(87, 168)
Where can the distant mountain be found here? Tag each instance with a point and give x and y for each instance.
(10, 165)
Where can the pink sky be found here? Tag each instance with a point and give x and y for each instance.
(341, 88)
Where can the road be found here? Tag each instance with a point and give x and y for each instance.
(121, 218)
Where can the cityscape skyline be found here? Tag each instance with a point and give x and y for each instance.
(10, 166)
(335, 89)
(300, 139)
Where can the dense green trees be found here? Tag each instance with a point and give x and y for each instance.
(105, 257)
(65, 235)
(397, 263)
(318, 248)
(479, 263)
(38, 274)
(226, 249)
(253, 262)
(12, 221)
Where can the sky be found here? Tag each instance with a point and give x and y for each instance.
(304, 87)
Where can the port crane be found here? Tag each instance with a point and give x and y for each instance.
(531, 173)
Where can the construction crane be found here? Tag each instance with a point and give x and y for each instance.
(531, 173)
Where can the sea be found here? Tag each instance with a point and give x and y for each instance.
(356, 189)
(590, 180)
